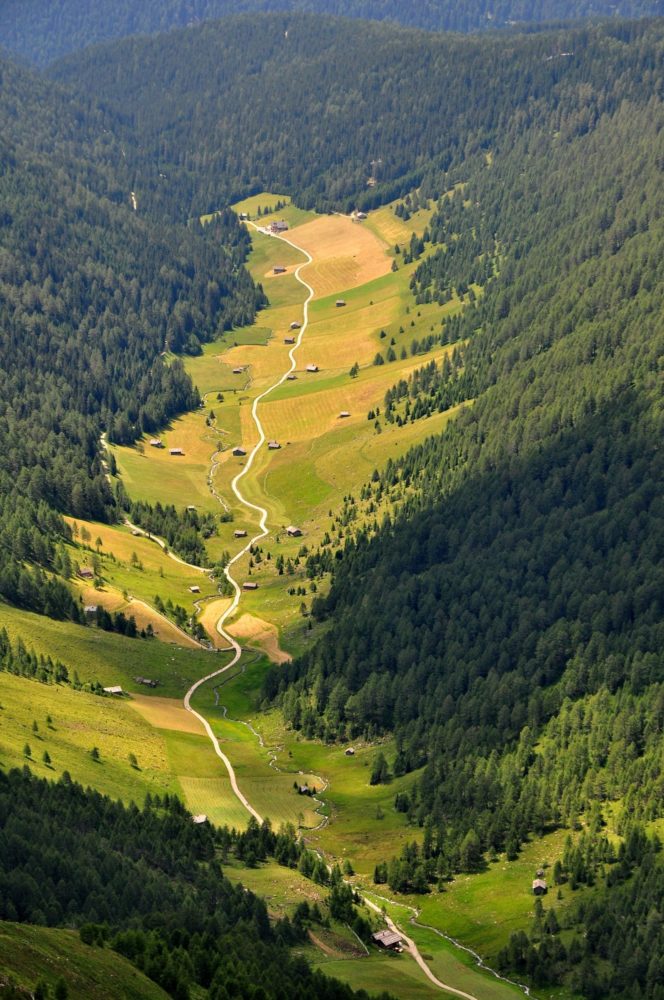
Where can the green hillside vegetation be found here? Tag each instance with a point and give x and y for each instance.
(41, 31)
(31, 955)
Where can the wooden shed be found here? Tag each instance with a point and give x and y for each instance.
(175, 451)
(312, 368)
(293, 531)
(239, 533)
(388, 939)
(278, 269)
(289, 340)
(239, 452)
(539, 887)
(340, 303)
(156, 443)
(249, 585)
(344, 414)
(273, 445)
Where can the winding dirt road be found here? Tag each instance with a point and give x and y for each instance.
(262, 533)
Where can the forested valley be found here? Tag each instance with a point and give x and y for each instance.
(42, 30)
(498, 605)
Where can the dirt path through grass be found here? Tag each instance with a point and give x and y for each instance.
(262, 533)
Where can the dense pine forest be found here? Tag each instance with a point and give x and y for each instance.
(43, 30)
(334, 99)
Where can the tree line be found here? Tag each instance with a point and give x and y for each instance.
(41, 33)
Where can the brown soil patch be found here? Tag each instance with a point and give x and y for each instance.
(259, 633)
(166, 713)
(210, 615)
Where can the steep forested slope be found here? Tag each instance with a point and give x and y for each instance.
(315, 106)
(90, 294)
(44, 30)
(513, 605)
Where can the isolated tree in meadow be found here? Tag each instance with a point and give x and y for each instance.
(355, 370)
(46, 757)
(380, 772)
(94, 753)
(27, 750)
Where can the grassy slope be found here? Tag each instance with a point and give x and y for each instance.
(31, 953)
(105, 657)
(80, 722)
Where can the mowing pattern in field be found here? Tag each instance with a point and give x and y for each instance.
(346, 254)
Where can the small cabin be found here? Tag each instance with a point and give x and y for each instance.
(195, 590)
(340, 303)
(136, 533)
(280, 226)
(289, 340)
(198, 820)
(388, 939)
(304, 790)
(295, 325)
(191, 506)
(278, 269)
(293, 532)
(350, 751)
(239, 533)
(312, 368)
(238, 371)
(273, 445)
(116, 689)
(147, 681)
(360, 215)
(86, 573)
(244, 216)
(156, 443)
(249, 585)
(344, 414)
(291, 377)
(175, 451)
(239, 452)
(539, 887)
(90, 610)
